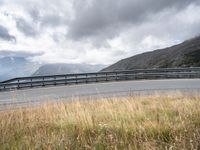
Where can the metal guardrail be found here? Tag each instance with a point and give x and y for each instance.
(67, 79)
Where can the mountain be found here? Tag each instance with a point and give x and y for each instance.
(16, 67)
(186, 54)
(56, 69)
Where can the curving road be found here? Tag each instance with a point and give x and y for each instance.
(31, 96)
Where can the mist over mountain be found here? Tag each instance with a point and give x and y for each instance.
(12, 67)
(186, 54)
(16, 66)
(19, 64)
(62, 68)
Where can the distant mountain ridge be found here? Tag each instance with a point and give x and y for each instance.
(20, 66)
(62, 68)
(186, 54)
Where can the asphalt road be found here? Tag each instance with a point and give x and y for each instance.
(37, 95)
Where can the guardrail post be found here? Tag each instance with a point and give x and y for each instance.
(96, 78)
(55, 80)
(65, 80)
(116, 76)
(106, 77)
(31, 83)
(76, 79)
(86, 78)
(18, 84)
(43, 81)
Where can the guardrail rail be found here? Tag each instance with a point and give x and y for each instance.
(68, 79)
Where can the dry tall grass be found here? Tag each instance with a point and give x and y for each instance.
(142, 122)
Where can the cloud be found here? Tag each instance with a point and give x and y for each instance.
(48, 12)
(107, 18)
(4, 35)
(94, 31)
(51, 19)
(28, 29)
(9, 53)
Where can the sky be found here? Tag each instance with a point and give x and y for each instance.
(94, 31)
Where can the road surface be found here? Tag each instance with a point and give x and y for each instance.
(31, 96)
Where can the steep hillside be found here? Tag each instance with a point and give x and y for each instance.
(186, 54)
(53, 69)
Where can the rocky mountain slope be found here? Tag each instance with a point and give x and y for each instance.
(186, 54)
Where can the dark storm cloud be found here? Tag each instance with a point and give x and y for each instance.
(4, 35)
(26, 28)
(106, 18)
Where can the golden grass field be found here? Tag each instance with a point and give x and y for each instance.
(132, 122)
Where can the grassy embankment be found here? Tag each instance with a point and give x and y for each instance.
(151, 122)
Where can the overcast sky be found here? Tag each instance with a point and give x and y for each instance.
(94, 31)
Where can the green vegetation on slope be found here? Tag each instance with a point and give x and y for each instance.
(151, 122)
(192, 59)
